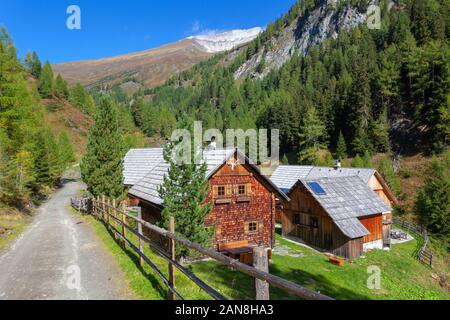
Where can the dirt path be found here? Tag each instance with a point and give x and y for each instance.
(59, 257)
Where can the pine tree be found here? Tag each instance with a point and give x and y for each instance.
(357, 162)
(311, 134)
(386, 169)
(184, 193)
(101, 167)
(46, 81)
(433, 200)
(61, 89)
(341, 148)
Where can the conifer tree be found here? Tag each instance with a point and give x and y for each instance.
(34, 64)
(433, 200)
(386, 169)
(341, 147)
(101, 167)
(184, 193)
(367, 160)
(311, 134)
(357, 162)
(66, 153)
(46, 81)
(61, 89)
(46, 155)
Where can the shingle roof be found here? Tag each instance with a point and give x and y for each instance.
(285, 177)
(139, 162)
(147, 187)
(345, 200)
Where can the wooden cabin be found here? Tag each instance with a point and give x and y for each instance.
(307, 219)
(286, 177)
(244, 201)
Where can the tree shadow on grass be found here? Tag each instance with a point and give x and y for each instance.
(241, 287)
(315, 282)
(162, 291)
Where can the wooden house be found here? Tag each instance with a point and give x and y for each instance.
(244, 200)
(344, 211)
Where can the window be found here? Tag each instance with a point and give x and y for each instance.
(297, 219)
(221, 191)
(314, 222)
(242, 190)
(251, 227)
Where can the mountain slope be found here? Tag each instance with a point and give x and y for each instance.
(152, 67)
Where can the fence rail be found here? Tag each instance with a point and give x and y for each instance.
(117, 220)
(424, 254)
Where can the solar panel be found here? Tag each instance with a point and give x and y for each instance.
(317, 188)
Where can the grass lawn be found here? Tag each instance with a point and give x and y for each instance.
(12, 224)
(402, 276)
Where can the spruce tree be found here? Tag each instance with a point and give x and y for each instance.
(66, 153)
(367, 160)
(101, 167)
(46, 155)
(357, 162)
(46, 81)
(341, 147)
(433, 200)
(184, 193)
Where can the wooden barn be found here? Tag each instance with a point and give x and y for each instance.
(342, 211)
(244, 200)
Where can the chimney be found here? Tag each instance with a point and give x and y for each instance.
(337, 164)
(212, 144)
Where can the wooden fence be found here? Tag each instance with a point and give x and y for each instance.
(121, 222)
(424, 254)
(80, 204)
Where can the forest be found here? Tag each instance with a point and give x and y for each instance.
(370, 90)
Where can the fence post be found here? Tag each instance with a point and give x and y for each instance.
(98, 207)
(108, 210)
(261, 262)
(114, 214)
(173, 257)
(124, 220)
(141, 247)
(103, 207)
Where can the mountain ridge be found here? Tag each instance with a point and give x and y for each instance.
(152, 67)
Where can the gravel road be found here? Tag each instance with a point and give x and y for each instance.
(59, 257)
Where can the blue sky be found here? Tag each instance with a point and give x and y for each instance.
(110, 28)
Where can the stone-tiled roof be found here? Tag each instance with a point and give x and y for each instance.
(147, 187)
(345, 200)
(285, 177)
(139, 162)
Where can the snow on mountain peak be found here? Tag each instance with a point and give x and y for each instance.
(224, 41)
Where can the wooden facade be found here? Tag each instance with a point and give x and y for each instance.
(244, 206)
(303, 218)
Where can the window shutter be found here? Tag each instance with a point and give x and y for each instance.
(261, 226)
(228, 190)
(248, 189)
(215, 192)
(247, 228)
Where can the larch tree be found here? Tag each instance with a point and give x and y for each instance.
(311, 134)
(46, 81)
